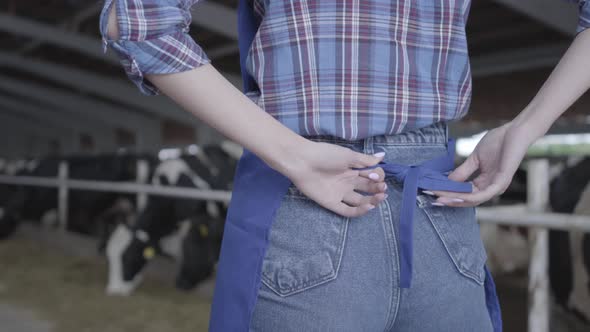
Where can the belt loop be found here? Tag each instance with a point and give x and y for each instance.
(446, 132)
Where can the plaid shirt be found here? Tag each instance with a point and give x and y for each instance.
(350, 69)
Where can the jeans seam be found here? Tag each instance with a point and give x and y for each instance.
(287, 291)
(385, 213)
(386, 221)
(391, 243)
(467, 273)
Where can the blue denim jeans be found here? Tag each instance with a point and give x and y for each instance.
(324, 272)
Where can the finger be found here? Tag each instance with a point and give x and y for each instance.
(444, 193)
(356, 199)
(471, 199)
(360, 160)
(376, 174)
(464, 171)
(352, 211)
(369, 186)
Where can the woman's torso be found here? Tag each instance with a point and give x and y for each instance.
(354, 69)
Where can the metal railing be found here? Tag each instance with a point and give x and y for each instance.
(532, 215)
(140, 188)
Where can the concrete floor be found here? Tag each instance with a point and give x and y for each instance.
(512, 291)
(21, 320)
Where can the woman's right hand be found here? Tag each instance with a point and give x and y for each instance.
(326, 173)
(495, 159)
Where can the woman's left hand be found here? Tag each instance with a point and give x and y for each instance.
(328, 174)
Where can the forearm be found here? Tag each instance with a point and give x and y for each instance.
(204, 92)
(568, 81)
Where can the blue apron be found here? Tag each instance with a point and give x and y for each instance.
(257, 195)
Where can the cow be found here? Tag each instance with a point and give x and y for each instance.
(513, 255)
(24, 202)
(185, 229)
(85, 207)
(6, 190)
(569, 251)
(12, 167)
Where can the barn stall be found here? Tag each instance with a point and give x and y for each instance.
(63, 101)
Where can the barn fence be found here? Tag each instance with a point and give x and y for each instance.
(532, 215)
(140, 188)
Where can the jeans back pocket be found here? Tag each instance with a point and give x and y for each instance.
(459, 231)
(306, 243)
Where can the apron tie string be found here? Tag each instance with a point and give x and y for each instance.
(429, 175)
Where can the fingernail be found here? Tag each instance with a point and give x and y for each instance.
(371, 206)
(437, 204)
(384, 187)
(428, 192)
(374, 176)
(379, 154)
(386, 195)
(457, 200)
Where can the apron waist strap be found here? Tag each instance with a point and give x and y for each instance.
(429, 175)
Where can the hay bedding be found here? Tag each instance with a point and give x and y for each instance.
(68, 291)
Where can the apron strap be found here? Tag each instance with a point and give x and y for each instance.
(429, 175)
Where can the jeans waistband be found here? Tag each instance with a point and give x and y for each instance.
(434, 134)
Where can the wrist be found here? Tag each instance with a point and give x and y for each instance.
(524, 132)
(287, 155)
(529, 125)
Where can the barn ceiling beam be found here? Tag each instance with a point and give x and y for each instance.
(115, 116)
(28, 141)
(50, 34)
(74, 41)
(65, 100)
(560, 15)
(54, 117)
(517, 60)
(147, 130)
(89, 82)
(103, 138)
(22, 123)
(22, 143)
(71, 23)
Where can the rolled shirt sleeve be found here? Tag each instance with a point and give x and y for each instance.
(584, 17)
(153, 39)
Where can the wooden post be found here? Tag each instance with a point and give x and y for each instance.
(142, 174)
(62, 196)
(538, 290)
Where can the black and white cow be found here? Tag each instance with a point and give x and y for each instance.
(513, 254)
(188, 230)
(569, 251)
(6, 191)
(24, 202)
(85, 208)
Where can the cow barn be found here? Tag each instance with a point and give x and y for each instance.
(112, 204)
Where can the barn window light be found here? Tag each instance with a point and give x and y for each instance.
(170, 153)
(548, 145)
(466, 145)
(192, 149)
